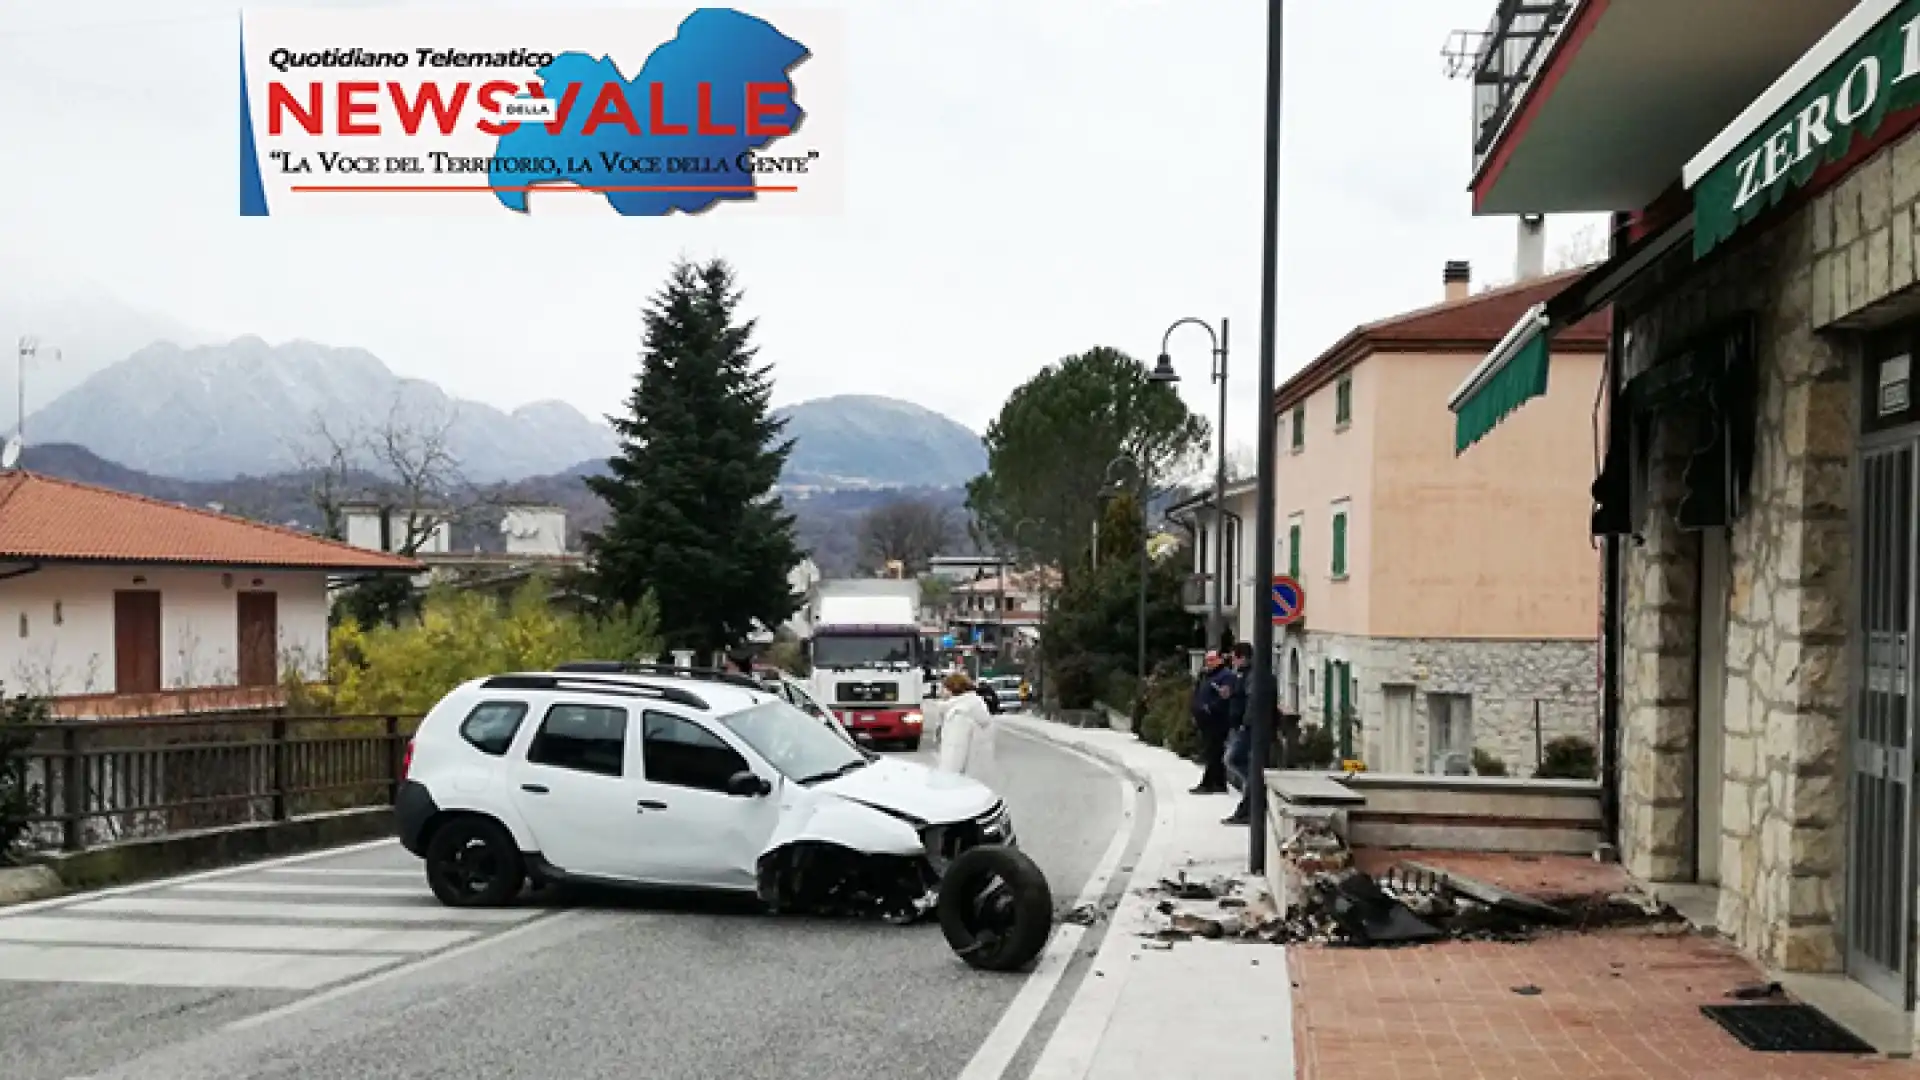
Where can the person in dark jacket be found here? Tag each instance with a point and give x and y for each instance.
(1240, 738)
(1210, 703)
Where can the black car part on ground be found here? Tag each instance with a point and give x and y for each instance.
(995, 908)
(816, 878)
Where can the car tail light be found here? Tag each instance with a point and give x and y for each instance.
(406, 762)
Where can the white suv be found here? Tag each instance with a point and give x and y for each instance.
(652, 776)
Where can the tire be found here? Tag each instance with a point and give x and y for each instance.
(473, 862)
(1010, 929)
(912, 744)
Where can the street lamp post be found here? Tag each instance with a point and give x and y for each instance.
(1163, 371)
(1260, 696)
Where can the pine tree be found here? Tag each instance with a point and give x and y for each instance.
(694, 517)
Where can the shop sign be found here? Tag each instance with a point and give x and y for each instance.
(1851, 97)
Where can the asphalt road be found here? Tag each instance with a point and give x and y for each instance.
(344, 966)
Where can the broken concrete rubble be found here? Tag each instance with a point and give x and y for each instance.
(1330, 902)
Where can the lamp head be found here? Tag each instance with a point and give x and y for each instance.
(1163, 371)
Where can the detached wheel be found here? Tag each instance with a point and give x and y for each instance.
(473, 862)
(995, 908)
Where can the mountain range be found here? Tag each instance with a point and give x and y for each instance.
(248, 408)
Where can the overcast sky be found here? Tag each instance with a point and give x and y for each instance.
(1026, 181)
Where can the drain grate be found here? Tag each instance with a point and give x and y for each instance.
(1785, 1029)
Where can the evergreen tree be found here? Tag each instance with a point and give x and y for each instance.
(694, 517)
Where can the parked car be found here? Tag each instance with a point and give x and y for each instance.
(1007, 689)
(642, 776)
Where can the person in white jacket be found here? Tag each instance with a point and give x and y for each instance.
(966, 731)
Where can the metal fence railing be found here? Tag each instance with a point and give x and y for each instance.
(106, 781)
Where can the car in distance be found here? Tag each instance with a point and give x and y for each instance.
(648, 776)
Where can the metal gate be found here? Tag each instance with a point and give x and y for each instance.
(1879, 869)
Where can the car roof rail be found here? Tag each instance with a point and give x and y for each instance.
(635, 667)
(616, 687)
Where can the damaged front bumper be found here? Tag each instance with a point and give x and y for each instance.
(819, 878)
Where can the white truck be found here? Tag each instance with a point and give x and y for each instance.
(867, 658)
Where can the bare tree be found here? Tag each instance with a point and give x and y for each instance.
(420, 477)
(908, 531)
(326, 461)
(403, 465)
(1584, 247)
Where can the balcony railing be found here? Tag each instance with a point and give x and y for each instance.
(1196, 595)
(1503, 60)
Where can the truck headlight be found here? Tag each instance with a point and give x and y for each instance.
(910, 718)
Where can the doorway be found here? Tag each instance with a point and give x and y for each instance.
(1710, 735)
(1879, 863)
(1399, 756)
(136, 642)
(1450, 734)
(258, 615)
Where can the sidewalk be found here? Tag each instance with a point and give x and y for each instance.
(1216, 1009)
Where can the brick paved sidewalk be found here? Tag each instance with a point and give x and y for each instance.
(1619, 1004)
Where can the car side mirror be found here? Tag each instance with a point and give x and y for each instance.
(748, 784)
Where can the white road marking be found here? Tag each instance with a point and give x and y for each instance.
(375, 979)
(351, 871)
(204, 875)
(991, 1060)
(295, 912)
(263, 937)
(160, 967)
(304, 889)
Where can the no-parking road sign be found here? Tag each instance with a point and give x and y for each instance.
(1289, 601)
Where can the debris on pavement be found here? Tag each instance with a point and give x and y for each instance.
(1328, 901)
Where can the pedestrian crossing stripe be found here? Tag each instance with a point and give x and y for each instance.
(281, 929)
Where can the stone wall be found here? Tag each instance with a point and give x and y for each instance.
(1503, 678)
(1841, 261)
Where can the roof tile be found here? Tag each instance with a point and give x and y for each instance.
(1476, 322)
(43, 517)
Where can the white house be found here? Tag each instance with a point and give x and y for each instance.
(364, 528)
(1240, 602)
(118, 604)
(534, 530)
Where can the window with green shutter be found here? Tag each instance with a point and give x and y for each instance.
(1343, 401)
(1293, 551)
(1340, 544)
(1300, 425)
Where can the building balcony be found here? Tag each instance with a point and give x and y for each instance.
(1196, 596)
(1596, 105)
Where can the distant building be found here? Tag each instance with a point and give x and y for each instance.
(369, 528)
(535, 530)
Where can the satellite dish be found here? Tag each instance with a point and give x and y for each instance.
(10, 456)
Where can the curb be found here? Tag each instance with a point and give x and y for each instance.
(1038, 729)
(24, 884)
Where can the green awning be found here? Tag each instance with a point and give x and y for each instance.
(1842, 89)
(1514, 373)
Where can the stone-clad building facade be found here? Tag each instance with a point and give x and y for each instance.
(1760, 494)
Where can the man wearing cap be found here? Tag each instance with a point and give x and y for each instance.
(1210, 704)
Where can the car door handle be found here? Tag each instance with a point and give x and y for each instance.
(649, 804)
(537, 789)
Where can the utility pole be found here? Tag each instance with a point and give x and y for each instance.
(29, 345)
(1260, 698)
(1215, 619)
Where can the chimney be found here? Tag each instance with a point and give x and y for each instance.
(1530, 261)
(1457, 277)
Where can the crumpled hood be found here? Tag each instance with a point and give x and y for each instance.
(905, 787)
